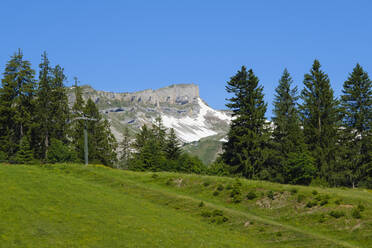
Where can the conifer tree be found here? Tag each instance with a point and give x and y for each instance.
(357, 127)
(102, 143)
(246, 149)
(125, 146)
(172, 146)
(16, 103)
(25, 153)
(287, 134)
(320, 120)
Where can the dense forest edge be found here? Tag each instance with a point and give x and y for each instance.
(314, 137)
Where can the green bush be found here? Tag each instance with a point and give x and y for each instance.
(323, 202)
(294, 191)
(206, 214)
(217, 212)
(220, 187)
(356, 213)
(300, 198)
(300, 168)
(314, 192)
(337, 214)
(251, 195)
(360, 207)
(311, 204)
(206, 183)
(154, 176)
(216, 193)
(270, 195)
(60, 153)
(201, 204)
(219, 219)
(322, 218)
(338, 201)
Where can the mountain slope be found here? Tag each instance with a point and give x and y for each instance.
(180, 107)
(94, 206)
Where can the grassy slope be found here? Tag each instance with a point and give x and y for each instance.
(75, 206)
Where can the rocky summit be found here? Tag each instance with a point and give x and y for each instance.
(179, 106)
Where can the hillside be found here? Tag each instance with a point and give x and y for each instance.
(95, 206)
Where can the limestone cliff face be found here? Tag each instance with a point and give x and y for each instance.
(177, 94)
(179, 105)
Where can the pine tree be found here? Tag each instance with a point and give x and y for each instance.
(287, 134)
(357, 123)
(172, 146)
(16, 103)
(126, 150)
(101, 143)
(43, 104)
(320, 120)
(77, 125)
(246, 150)
(25, 153)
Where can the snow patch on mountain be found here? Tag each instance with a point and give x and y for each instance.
(190, 129)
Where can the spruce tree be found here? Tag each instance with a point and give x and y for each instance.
(16, 103)
(102, 143)
(125, 146)
(287, 134)
(172, 146)
(320, 120)
(246, 149)
(357, 127)
(25, 153)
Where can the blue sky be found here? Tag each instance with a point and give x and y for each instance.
(134, 45)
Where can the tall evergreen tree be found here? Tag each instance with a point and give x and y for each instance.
(102, 143)
(172, 146)
(52, 105)
(357, 127)
(16, 103)
(246, 149)
(320, 120)
(125, 146)
(287, 134)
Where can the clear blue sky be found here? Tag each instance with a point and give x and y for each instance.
(133, 45)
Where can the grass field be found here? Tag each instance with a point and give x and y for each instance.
(94, 206)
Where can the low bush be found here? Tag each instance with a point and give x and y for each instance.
(251, 195)
(294, 191)
(216, 193)
(270, 195)
(311, 204)
(220, 187)
(356, 213)
(337, 214)
(300, 198)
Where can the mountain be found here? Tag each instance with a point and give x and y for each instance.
(180, 107)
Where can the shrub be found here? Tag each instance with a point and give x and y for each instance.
(206, 184)
(294, 191)
(356, 213)
(219, 219)
(300, 198)
(228, 187)
(360, 207)
(215, 193)
(206, 214)
(270, 194)
(169, 181)
(251, 195)
(314, 192)
(300, 168)
(279, 234)
(60, 153)
(323, 202)
(237, 199)
(217, 212)
(201, 204)
(154, 176)
(311, 204)
(338, 201)
(337, 214)
(322, 218)
(220, 187)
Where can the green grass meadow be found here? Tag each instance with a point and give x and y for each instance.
(94, 206)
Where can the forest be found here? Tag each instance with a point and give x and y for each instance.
(313, 137)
